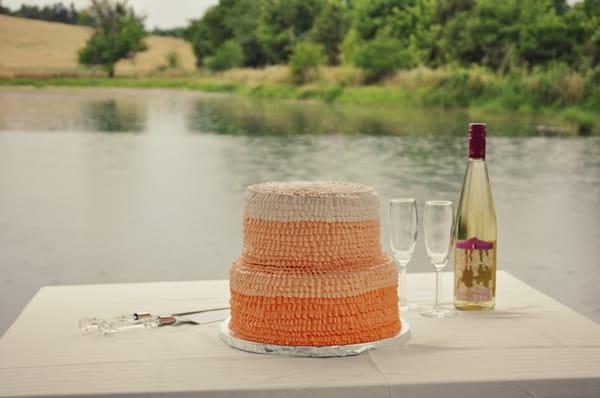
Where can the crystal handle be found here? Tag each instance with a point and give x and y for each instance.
(124, 322)
(140, 320)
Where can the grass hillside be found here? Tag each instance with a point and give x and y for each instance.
(30, 48)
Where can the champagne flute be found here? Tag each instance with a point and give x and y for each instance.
(438, 221)
(403, 237)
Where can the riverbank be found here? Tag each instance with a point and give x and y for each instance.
(562, 96)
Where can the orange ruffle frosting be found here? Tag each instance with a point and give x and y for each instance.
(312, 271)
(316, 321)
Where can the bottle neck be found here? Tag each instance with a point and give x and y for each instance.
(477, 134)
(476, 172)
(476, 160)
(477, 147)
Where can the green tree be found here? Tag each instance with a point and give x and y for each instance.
(118, 34)
(381, 56)
(406, 25)
(283, 23)
(586, 16)
(443, 12)
(57, 12)
(521, 32)
(229, 19)
(208, 33)
(229, 55)
(422, 32)
(484, 35)
(495, 34)
(4, 10)
(330, 28)
(545, 36)
(305, 61)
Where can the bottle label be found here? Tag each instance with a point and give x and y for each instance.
(474, 270)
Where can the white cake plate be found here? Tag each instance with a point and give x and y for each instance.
(310, 351)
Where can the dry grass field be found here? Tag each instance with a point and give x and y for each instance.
(38, 48)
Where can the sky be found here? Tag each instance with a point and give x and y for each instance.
(159, 13)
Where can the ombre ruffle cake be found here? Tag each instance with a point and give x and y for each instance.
(312, 271)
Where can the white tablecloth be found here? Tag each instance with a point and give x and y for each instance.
(530, 346)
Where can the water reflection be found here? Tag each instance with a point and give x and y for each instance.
(241, 116)
(28, 109)
(163, 111)
(111, 116)
(256, 117)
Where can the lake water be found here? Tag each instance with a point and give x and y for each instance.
(110, 185)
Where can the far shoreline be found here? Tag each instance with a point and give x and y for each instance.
(574, 120)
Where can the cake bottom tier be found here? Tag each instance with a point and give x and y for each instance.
(313, 321)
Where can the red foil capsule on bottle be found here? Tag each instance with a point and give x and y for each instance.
(477, 140)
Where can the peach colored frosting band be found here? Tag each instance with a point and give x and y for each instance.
(301, 244)
(250, 281)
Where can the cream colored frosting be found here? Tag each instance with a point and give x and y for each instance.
(329, 201)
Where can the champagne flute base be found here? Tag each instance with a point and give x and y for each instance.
(410, 307)
(439, 312)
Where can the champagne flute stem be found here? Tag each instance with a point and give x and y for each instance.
(403, 293)
(438, 288)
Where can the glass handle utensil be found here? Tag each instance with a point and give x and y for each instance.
(138, 320)
(107, 327)
(92, 324)
(124, 322)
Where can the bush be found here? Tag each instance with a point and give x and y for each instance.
(556, 85)
(305, 61)
(583, 120)
(591, 88)
(173, 60)
(380, 57)
(229, 55)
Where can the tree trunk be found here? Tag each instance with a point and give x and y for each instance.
(111, 71)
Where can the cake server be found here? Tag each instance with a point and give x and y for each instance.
(146, 320)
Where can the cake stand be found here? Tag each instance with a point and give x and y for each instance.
(310, 351)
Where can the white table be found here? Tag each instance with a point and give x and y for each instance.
(530, 346)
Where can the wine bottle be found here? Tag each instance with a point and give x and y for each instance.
(475, 243)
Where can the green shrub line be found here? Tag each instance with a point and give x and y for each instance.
(564, 97)
(383, 36)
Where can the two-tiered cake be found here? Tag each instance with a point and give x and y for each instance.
(312, 271)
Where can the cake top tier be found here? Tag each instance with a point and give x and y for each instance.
(328, 201)
(320, 189)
